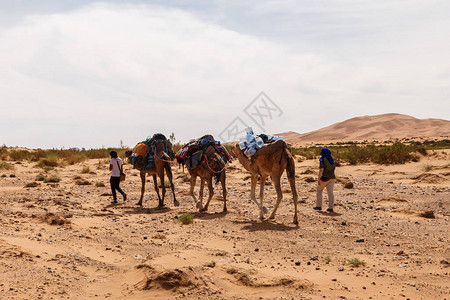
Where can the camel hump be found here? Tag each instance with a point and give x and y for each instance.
(271, 148)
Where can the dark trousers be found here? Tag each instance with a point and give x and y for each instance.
(115, 181)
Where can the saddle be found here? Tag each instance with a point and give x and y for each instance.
(142, 156)
(193, 153)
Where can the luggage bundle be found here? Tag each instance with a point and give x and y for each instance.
(251, 143)
(192, 154)
(142, 156)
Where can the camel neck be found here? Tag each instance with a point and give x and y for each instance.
(244, 160)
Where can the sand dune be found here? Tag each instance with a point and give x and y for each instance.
(379, 127)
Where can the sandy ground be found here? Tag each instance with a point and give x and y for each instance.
(65, 241)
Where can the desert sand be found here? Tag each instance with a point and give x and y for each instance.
(66, 241)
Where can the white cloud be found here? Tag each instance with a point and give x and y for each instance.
(108, 72)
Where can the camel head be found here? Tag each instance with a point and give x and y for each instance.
(128, 153)
(235, 150)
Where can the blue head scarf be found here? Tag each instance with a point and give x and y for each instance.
(327, 154)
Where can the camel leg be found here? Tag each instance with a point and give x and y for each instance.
(161, 179)
(199, 203)
(142, 173)
(191, 191)
(294, 197)
(261, 193)
(277, 186)
(224, 191)
(155, 183)
(172, 187)
(254, 181)
(211, 193)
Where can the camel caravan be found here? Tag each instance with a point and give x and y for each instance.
(208, 159)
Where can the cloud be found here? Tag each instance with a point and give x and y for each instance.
(108, 72)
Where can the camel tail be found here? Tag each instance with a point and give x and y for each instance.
(167, 168)
(217, 177)
(290, 167)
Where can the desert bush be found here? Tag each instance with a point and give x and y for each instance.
(427, 167)
(348, 185)
(82, 182)
(19, 155)
(310, 179)
(85, 170)
(38, 154)
(186, 218)
(397, 153)
(75, 158)
(355, 262)
(48, 162)
(32, 184)
(6, 166)
(52, 179)
(40, 177)
(99, 184)
(308, 152)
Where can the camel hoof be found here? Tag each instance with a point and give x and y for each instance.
(203, 209)
(139, 204)
(272, 217)
(295, 221)
(199, 205)
(265, 210)
(176, 203)
(261, 217)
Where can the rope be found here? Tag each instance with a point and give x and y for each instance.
(226, 165)
(167, 161)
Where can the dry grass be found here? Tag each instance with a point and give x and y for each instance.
(6, 166)
(51, 162)
(427, 167)
(82, 182)
(52, 179)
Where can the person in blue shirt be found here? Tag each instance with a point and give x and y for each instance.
(326, 179)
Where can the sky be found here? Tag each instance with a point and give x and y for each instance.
(80, 73)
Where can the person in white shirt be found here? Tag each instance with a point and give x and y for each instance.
(115, 166)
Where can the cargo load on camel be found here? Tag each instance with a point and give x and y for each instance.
(142, 155)
(194, 152)
(252, 144)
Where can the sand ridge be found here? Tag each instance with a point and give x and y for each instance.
(379, 127)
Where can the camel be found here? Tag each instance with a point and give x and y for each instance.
(269, 161)
(209, 167)
(161, 159)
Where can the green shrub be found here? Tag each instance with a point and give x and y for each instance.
(99, 184)
(355, 262)
(186, 218)
(3, 175)
(52, 179)
(85, 170)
